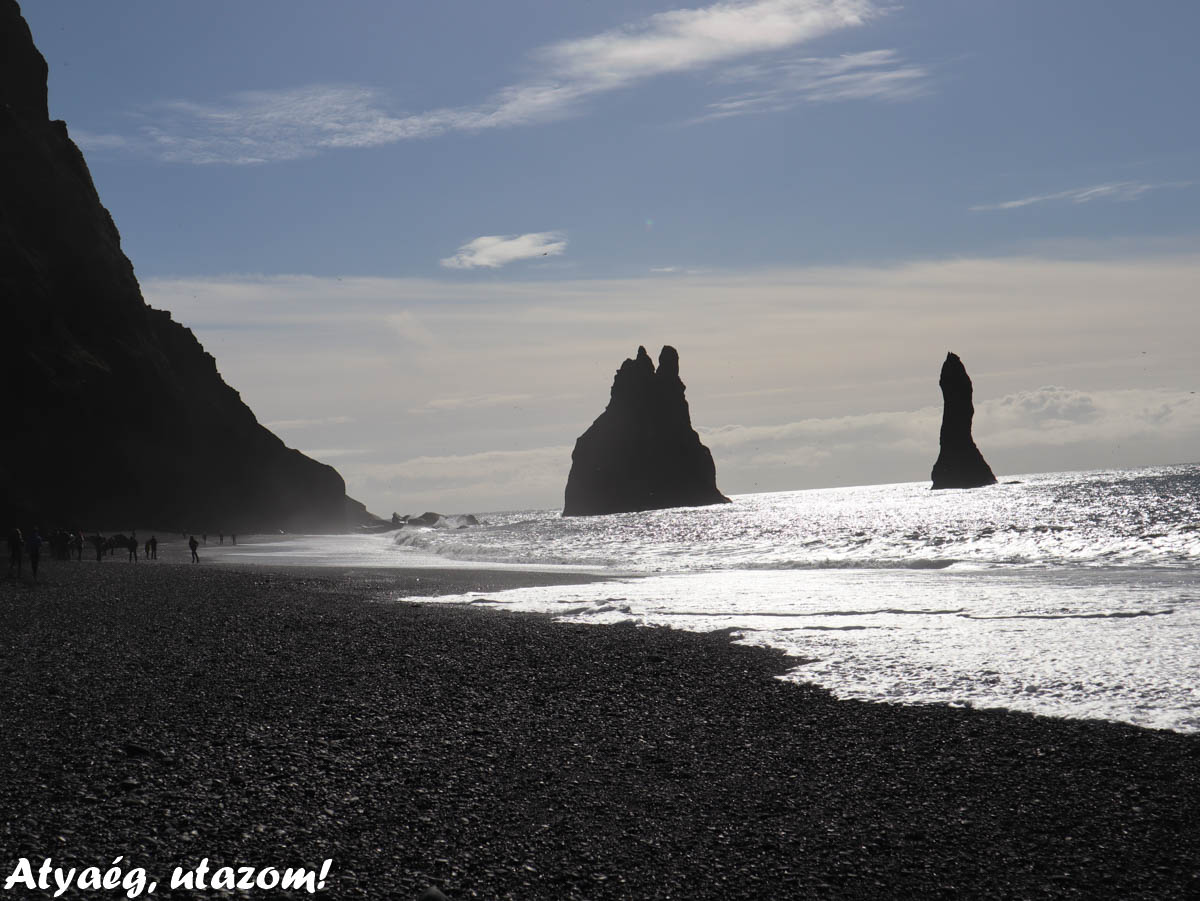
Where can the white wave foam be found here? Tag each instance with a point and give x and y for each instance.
(1113, 643)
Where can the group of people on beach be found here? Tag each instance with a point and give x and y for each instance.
(63, 543)
(121, 542)
(20, 547)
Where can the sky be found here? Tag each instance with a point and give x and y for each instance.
(419, 238)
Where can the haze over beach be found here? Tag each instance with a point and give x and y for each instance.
(808, 388)
(419, 243)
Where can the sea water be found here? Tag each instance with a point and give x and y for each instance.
(1069, 594)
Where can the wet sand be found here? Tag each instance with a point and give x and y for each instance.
(169, 712)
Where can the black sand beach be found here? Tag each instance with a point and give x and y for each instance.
(168, 713)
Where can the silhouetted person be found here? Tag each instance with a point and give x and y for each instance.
(222, 537)
(78, 546)
(234, 537)
(33, 547)
(146, 550)
(133, 549)
(99, 542)
(204, 535)
(152, 544)
(193, 544)
(16, 547)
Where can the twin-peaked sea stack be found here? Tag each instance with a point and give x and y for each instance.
(959, 464)
(114, 415)
(642, 453)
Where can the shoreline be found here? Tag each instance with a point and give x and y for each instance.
(273, 716)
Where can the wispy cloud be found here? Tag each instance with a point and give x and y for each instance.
(910, 429)
(92, 141)
(261, 126)
(335, 453)
(782, 84)
(475, 402)
(1050, 406)
(1117, 190)
(308, 423)
(494, 251)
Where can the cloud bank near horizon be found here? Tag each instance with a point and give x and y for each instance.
(826, 375)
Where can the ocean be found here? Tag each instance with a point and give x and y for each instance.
(1067, 594)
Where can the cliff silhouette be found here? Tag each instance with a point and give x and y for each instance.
(114, 414)
(959, 463)
(642, 453)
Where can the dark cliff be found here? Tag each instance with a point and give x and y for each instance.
(114, 415)
(959, 464)
(642, 452)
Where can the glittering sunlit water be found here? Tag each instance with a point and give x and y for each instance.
(1065, 594)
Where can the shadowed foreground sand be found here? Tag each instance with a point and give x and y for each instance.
(170, 712)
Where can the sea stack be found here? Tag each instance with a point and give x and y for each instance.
(114, 414)
(642, 452)
(959, 464)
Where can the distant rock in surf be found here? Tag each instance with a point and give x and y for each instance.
(642, 452)
(425, 519)
(959, 464)
(439, 520)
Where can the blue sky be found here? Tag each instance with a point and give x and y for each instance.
(420, 237)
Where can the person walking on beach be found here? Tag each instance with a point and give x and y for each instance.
(133, 546)
(33, 547)
(152, 544)
(16, 545)
(193, 544)
(234, 537)
(98, 540)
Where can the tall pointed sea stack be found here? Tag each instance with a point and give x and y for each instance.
(114, 416)
(642, 452)
(960, 464)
